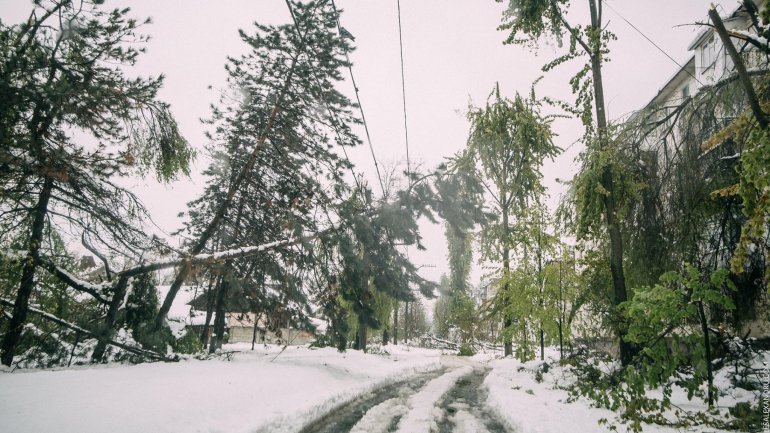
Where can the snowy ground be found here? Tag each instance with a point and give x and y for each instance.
(409, 390)
(254, 389)
(539, 407)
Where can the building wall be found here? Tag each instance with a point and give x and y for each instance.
(292, 337)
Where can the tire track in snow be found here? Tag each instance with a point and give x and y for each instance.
(465, 410)
(449, 400)
(411, 411)
(344, 417)
(423, 407)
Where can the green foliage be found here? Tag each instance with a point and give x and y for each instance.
(508, 143)
(71, 123)
(43, 343)
(372, 271)
(685, 206)
(748, 417)
(466, 350)
(664, 322)
(510, 139)
(518, 297)
(284, 90)
(442, 321)
(459, 308)
(753, 185)
(589, 194)
(63, 75)
(530, 22)
(141, 307)
(189, 344)
(460, 255)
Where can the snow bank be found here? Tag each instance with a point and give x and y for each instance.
(539, 407)
(534, 407)
(260, 388)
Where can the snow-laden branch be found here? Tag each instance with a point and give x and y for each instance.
(96, 290)
(132, 349)
(206, 258)
(220, 256)
(752, 38)
(102, 292)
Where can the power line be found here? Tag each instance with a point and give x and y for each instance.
(403, 89)
(403, 98)
(651, 41)
(360, 107)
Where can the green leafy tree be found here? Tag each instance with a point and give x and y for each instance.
(527, 295)
(370, 260)
(530, 21)
(509, 140)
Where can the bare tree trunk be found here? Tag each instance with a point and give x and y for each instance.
(108, 326)
(361, 334)
(74, 347)
(507, 319)
(21, 305)
(210, 301)
(610, 207)
(740, 67)
(395, 324)
(707, 347)
(406, 322)
(561, 314)
(224, 289)
(219, 319)
(254, 333)
(541, 277)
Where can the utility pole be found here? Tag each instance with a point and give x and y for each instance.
(406, 322)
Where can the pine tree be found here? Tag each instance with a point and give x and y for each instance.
(274, 170)
(71, 122)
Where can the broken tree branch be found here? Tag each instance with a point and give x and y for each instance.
(751, 94)
(131, 349)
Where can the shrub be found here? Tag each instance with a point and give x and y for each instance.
(187, 344)
(466, 350)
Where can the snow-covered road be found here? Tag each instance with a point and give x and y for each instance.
(452, 399)
(266, 388)
(303, 390)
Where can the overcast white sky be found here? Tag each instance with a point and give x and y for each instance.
(452, 52)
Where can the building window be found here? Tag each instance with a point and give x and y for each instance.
(686, 91)
(708, 54)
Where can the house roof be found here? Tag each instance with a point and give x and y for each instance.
(708, 31)
(686, 71)
(672, 83)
